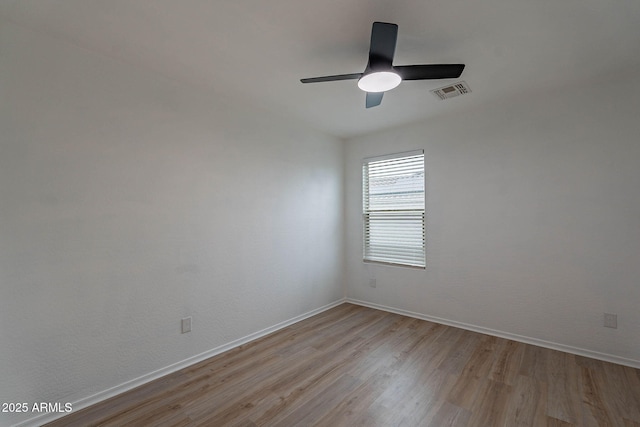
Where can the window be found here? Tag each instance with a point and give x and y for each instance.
(393, 209)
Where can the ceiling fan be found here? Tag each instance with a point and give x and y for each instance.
(381, 75)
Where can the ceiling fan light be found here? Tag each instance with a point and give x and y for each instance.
(380, 81)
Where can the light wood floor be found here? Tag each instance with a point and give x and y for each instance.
(355, 366)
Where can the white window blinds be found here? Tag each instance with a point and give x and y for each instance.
(393, 209)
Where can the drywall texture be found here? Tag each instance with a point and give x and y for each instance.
(533, 218)
(128, 201)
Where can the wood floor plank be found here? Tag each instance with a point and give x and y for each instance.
(594, 411)
(554, 422)
(315, 407)
(356, 366)
(527, 404)
(349, 411)
(460, 351)
(562, 379)
(474, 373)
(624, 395)
(508, 360)
(449, 415)
(426, 398)
(534, 363)
(490, 406)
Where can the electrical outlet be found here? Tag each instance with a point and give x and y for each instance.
(186, 325)
(373, 283)
(611, 320)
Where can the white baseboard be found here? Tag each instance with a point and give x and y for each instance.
(515, 337)
(136, 382)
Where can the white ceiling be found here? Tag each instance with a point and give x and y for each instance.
(256, 51)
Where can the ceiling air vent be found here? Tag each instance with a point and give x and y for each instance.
(452, 91)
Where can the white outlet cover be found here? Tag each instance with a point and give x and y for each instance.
(610, 320)
(186, 325)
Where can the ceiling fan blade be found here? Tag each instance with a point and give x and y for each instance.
(374, 99)
(383, 45)
(426, 72)
(332, 78)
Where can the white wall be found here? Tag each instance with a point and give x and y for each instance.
(128, 201)
(533, 219)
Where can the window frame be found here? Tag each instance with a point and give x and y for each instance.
(411, 215)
